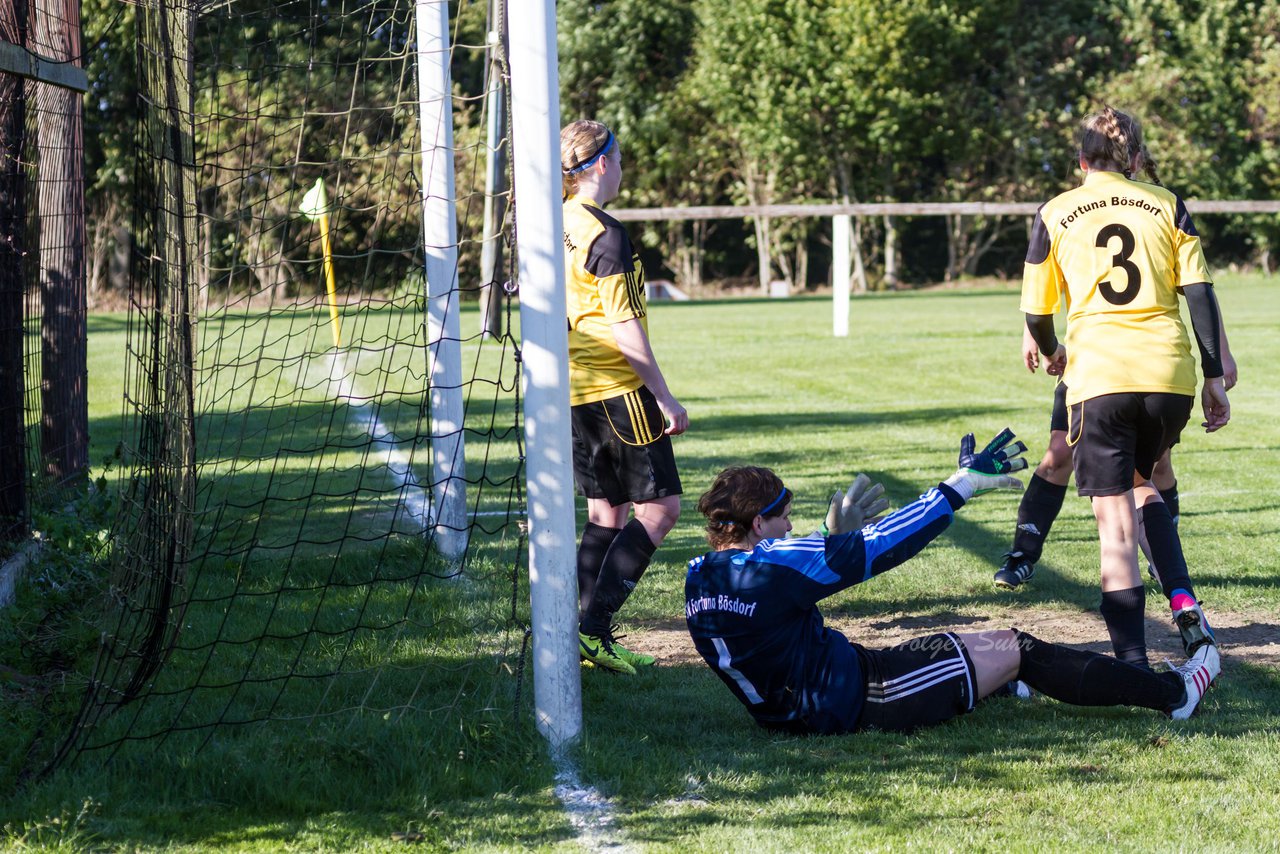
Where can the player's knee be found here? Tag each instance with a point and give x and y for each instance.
(659, 517)
(1055, 465)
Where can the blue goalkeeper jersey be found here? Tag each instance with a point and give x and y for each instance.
(754, 616)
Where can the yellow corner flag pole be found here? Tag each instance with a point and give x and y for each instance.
(315, 206)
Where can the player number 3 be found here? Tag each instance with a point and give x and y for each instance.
(1121, 260)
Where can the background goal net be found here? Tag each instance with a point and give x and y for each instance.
(322, 475)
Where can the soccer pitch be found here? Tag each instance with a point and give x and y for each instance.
(679, 760)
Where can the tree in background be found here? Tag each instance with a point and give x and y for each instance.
(109, 109)
(1010, 104)
(1191, 72)
(624, 63)
(716, 101)
(1260, 77)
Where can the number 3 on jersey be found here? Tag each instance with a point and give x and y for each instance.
(1121, 260)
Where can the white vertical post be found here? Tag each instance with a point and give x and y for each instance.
(535, 103)
(841, 240)
(440, 240)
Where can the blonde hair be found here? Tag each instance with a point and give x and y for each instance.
(580, 142)
(1110, 139)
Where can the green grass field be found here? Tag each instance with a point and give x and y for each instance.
(679, 759)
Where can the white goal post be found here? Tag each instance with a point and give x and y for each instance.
(448, 516)
(553, 582)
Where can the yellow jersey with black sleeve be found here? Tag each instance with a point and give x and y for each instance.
(1117, 250)
(604, 285)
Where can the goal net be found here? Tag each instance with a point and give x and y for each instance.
(322, 480)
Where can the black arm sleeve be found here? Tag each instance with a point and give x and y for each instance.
(1041, 328)
(1206, 321)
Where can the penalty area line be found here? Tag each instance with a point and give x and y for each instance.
(413, 496)
(589, 812)
(399, 463)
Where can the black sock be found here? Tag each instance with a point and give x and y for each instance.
(1170, 498)
(627, 559)
(1166, 549)
(595, 543)
(1040, 505)
(1089, 679)
(1124, 612)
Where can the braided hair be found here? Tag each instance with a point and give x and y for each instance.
(1110, 139)
(1149, 166)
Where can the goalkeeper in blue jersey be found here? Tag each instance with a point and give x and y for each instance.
(751, 608)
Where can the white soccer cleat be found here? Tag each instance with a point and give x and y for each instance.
(1197, 674)
(1020, 690)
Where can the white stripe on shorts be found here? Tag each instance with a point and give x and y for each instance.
(919, 681)
(923, 678)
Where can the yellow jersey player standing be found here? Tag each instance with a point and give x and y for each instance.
(1121, 253)
(623, 414)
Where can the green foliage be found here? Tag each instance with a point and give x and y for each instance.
(66, 831)
(768, 101)
(625, 63)
(715, 101)
(50, 633)
(110, 105)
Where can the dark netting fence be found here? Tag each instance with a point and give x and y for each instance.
(321, 481)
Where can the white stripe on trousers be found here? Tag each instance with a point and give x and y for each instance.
(930, 674)
(919, 681)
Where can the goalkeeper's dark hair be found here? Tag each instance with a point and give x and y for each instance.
(1110, 139)
(736, 497)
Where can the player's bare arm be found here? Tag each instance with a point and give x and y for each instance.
(1030, 351)
(634, 345)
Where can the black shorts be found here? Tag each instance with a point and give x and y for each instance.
(922, 682)
(1114, 435)
(1058, 420)
(620, 452)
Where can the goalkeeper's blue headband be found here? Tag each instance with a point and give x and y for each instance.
(604, 149)
(775, 502)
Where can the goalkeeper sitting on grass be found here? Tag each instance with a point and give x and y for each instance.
(751, 609)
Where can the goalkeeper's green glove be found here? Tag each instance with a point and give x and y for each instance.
(988, 470)
(849, 511)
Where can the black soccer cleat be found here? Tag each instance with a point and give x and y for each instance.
(1015, 571)
(1194, 628)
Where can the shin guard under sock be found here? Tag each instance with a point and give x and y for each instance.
(1089, 679)
(595, 543)
(1040, 506)
(625, 562)
(1124, 613)
(1170, 498)
(1166, 549)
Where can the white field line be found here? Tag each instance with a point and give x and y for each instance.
(590, 812)
(413, 497)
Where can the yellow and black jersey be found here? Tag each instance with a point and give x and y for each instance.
(604, 283)
(1117, 250)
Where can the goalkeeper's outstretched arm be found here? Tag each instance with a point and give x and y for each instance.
(861, 554)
